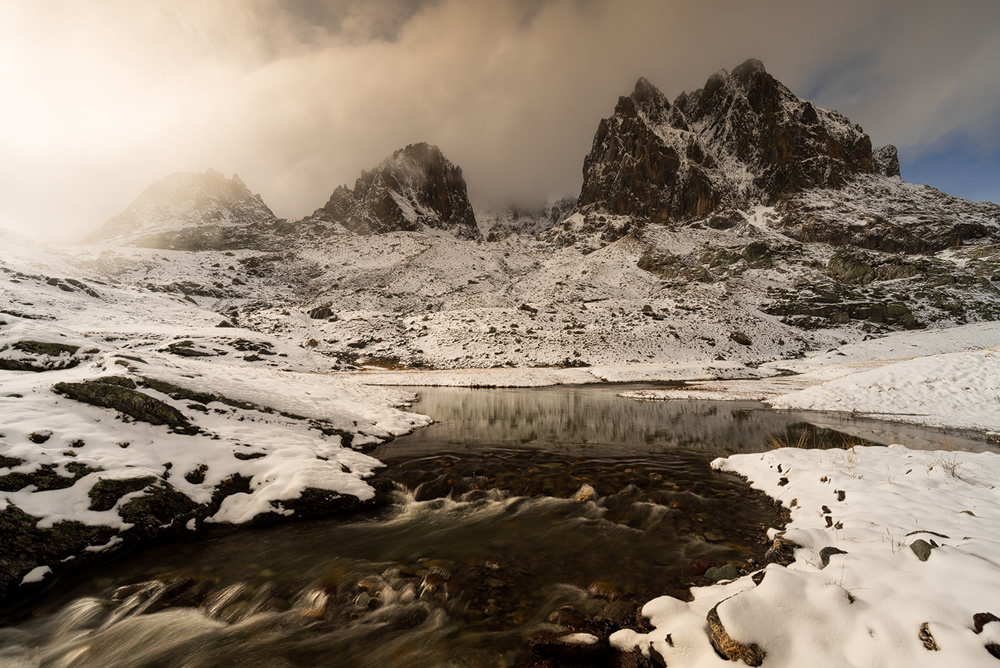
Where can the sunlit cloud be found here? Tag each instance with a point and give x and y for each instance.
(103, 97)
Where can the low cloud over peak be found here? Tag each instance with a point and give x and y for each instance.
(298, 97)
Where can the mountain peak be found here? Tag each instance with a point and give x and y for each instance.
(742, 139)
(420, 152)
(644, 91)
(749, 68)
(186, 211)
(413, 188)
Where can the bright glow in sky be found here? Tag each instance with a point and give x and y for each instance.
(103, 97)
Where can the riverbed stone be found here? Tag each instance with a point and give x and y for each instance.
(921, 548)
(438, 488)
(566, 648)
(618, 613)
(827, 552)
(927, 639)
(782, 551)
(700, 565)
(727, 647)
(981, 619)
(605, 590)
(720, 573)
(567, 616)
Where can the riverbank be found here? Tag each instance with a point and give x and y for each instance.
(106, 446)
(896, 562)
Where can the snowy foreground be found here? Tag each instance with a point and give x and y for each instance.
(896, 551)
(138, 415)
(898, 564)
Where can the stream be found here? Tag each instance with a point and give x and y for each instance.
(520, 513)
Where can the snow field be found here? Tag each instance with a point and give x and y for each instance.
(869, 605)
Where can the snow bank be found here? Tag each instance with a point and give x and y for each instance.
(864, 588)
(692, 393)
(959, 389)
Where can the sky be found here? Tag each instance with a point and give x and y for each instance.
(100, 98)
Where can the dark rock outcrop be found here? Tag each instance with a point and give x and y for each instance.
(743, 139)
(128, 401)
(38, 356)
(190, 212)
(886, 160)
(415, 187)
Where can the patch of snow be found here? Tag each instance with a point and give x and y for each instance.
(115, 540)
(36, 575)
(695, 393)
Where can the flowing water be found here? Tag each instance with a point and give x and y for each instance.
(521, 512)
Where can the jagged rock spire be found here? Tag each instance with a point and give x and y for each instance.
(413, 188)
(743, 138)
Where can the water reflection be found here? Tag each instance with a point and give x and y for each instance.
(594, 419)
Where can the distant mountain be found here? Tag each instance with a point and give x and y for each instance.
(188, 212)
(738, 223)
(745, 140)
(415, 188)
(500, 224)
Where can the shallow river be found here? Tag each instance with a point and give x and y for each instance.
(520, 512)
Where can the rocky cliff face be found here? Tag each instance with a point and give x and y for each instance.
(416, 187)
(743, 139)
(189, 212)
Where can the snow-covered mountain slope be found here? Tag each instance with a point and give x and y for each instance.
(886, 214)
(188, 212)
(132, 413)
(414, 188)
(748, 293)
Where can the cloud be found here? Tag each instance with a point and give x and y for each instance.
(103, 97)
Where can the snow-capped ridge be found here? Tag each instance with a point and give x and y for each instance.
(187, 212)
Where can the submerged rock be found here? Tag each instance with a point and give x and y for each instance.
(576, 648)
(720, 573)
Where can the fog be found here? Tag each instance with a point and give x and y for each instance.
(103, 97)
